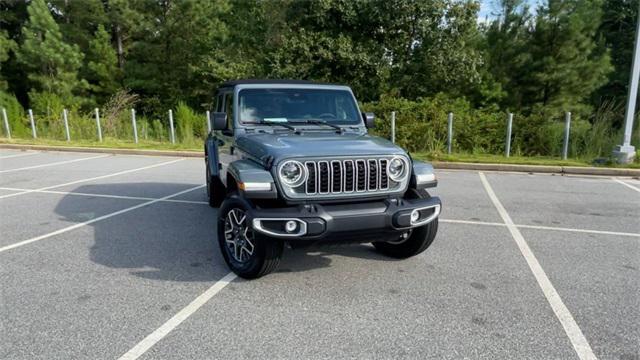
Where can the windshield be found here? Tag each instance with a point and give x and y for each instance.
(290, 105)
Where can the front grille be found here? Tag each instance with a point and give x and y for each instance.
(346, 176)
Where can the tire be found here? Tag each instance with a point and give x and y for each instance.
(417, 242)
(215, 189)
(252, 257)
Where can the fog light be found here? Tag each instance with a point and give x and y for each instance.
(290, 226)
(415, 215)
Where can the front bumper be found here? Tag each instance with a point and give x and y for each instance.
(358, 222)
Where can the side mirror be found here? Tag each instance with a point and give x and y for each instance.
(369, 120)
(219, 120)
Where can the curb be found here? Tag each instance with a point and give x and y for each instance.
(569, 170)
(563, 170)
(178, 153)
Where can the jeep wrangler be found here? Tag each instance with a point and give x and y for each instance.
(291, 162)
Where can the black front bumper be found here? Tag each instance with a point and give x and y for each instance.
(357, 222)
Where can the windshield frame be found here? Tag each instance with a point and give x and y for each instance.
(238, 88)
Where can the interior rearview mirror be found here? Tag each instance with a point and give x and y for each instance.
(219, 120)
(369, 120)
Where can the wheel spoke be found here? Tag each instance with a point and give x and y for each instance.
(248, 242)
(237, 236)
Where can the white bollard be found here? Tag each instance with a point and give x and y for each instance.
(135, 126)
(393, 127)
(33, 124)
(449, 132)
(66, 124)
(507, 148)
(6, 123)
(567, 127)
(208, 122)
(98, 125)
(173, 135)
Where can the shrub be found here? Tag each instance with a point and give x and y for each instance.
(18, 123)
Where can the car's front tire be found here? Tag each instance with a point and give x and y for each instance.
(246, 252)
(418, 240)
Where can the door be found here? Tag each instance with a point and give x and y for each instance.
(226, 136)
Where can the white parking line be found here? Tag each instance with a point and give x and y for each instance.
(177, 319)
(53, 164)
(18, 155)
(599, 232)
(627, 185)
(104, 195)
(91, 179)
(539, 227)
(579, 342)
(100, 218)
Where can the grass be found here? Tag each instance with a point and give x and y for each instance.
(112, 143)
(519, 160)
(108, 143)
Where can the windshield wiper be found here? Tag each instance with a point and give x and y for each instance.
(284, 125)
(319, 122)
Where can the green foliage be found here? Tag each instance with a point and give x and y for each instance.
(189, 125)
(15, 115)
(421, 126)
(565, 64)
(52, 64)
(419, 58)
(6, 45)
(102, 71)
(616, 34)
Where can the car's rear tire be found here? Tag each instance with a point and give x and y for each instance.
(215, 189)
(419, 239)
(247, 253)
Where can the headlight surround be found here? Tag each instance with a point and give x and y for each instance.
(292, 173)
(397, 169)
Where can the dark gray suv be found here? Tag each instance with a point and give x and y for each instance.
(291, 162)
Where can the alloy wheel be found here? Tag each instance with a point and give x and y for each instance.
(238, 235)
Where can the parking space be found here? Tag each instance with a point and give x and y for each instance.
(117, 255)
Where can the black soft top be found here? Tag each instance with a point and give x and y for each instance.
(233, 83)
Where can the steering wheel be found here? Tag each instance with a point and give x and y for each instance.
(327, 115)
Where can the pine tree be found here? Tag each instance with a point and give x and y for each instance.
(6, 45)
(566, 64)
(51, 63)
(102, 71)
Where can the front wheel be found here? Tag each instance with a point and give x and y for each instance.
(416, 241)
(248, 254)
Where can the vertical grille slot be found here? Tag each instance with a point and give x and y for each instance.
(384, 178)
(349, 176)
(336, 176)
(361, 175)
(312, 180)
(373, 175)
(323, 172)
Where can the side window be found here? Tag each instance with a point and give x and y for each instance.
(228, 108)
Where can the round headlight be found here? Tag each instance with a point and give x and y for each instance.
(292, 173)
(396, 169)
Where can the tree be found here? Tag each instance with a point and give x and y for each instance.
(507, 51)
(616, 33)
(176, 52)
(6, 45)
(566, 65)
(51, 63)
(102, 71)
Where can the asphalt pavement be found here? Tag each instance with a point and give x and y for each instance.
(115, 256)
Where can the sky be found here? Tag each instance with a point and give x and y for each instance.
(487, 7)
